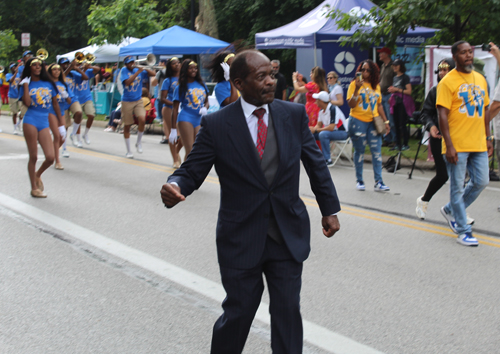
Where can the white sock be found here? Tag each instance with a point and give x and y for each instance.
(64, 144)
(127, 144)
(75, 128)
(139, 137)
(86, 131)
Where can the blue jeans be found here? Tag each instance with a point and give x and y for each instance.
(391, 137)
(362, 133)
(462, 196)
(325, 137)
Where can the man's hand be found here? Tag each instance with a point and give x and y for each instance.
(435, 132)
(489, 145)
(330, 225)
(451, 155)
(171, 195)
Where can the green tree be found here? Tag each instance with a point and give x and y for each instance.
(8, 45)
(123, 18)
(473, 20)
(57, 25)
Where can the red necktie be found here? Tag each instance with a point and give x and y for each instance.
(261, 132)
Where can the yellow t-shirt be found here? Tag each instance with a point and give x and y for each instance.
(368, 100)
(466, 96)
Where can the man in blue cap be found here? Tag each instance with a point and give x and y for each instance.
(132, 105)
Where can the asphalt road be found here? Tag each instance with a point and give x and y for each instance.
(100, 266)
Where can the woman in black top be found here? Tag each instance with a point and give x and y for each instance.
(430, 117)
(400, 87)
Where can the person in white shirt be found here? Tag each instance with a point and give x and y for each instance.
(331, 124)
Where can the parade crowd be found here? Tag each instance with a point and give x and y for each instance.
(50, 99)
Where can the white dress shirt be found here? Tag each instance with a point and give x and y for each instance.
(252, 120)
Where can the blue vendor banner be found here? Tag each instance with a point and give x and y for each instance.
(413, 59)
(344, 61)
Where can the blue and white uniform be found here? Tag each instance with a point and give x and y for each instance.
(169, 84)
(133, 92)
(193, 100)
(41, 93)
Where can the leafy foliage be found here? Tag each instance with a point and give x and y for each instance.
(123, 18)
(473, 20)
(8, 44)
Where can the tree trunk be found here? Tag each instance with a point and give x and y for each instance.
(206, 21)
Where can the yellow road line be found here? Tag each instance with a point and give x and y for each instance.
(386, 218)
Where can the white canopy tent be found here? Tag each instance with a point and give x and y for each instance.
(434, 54)
(106, 53)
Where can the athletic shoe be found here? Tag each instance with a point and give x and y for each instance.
(450, 219)
(139, 148)
(421, 208)
(470, 221)
(129, 155)
(381, 187)
(16, 132)
(74, 140)
(405, 147)
(467, 239)
(164, 141)
(329, 163)
(395, 148)
(79, 144)
(0, 130)
(86, 139)
(65, 153)
(360, 186)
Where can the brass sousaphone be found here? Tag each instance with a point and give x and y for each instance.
(42, 54)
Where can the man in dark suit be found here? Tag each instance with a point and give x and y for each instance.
(256, 145)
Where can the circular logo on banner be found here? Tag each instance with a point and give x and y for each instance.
(345, 63)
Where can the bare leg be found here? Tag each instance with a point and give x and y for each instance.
(48, 150)
(31, 137)
(90, 120)
(54, 128)
(167, 126)
(188, 134)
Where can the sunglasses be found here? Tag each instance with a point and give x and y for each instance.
(331, 77)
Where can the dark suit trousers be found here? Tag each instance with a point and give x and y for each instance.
(244, 289)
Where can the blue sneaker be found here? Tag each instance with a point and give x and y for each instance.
(360, 186)
(467, 239)
(381, 187)
(450, 219)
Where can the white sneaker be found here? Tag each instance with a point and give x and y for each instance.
(470, 221)
(79, 143)
(421, 208)
(139, 148)
(129, 155)
(86, 139)
(360, 186)
(15, 132)
(74, 140)
(65, 153)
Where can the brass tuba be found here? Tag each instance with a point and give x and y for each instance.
(42, 54)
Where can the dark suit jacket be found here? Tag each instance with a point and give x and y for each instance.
(246, 198)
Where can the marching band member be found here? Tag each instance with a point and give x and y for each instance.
(57, 126)
(38, 93)
(167, 95)
(75, 107)
(192, 95)
(85, 96)
(132, 104)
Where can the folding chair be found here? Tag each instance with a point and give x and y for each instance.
(338, 149)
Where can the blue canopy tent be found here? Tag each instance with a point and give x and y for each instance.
(317, 38)
(174, 40)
